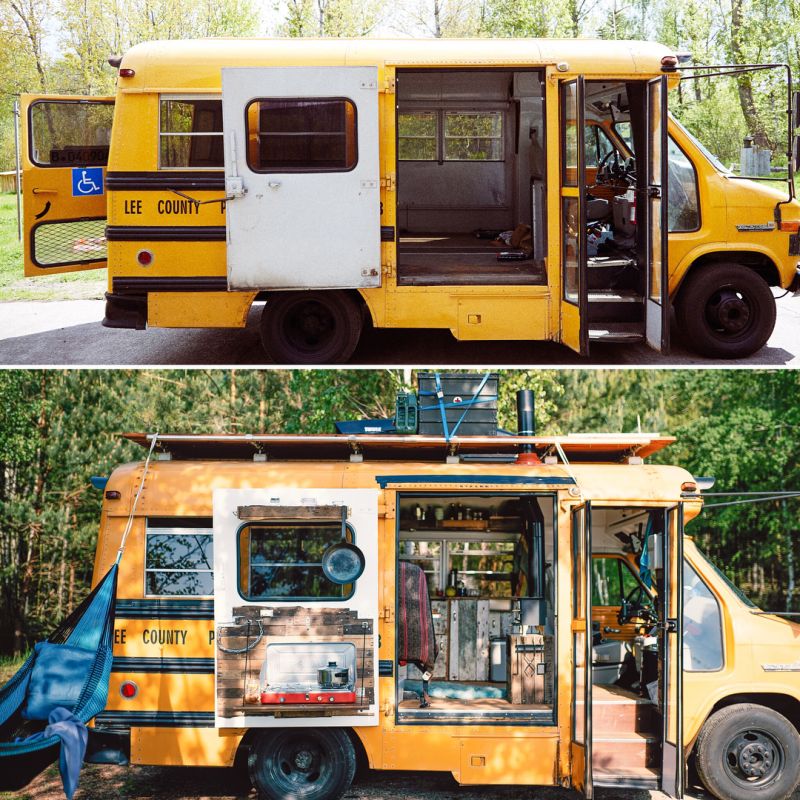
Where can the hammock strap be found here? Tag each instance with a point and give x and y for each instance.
(129, 524)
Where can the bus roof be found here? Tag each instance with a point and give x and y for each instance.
(196, 64)
(606, 447)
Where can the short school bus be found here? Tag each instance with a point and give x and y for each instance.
(353, 182)
(485, 619)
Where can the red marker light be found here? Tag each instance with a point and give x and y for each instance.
(669, 63)
(144, 257)
(128, 690)
(127, 72)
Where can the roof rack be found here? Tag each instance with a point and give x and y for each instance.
(605, 447)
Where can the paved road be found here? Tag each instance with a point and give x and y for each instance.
(69, 332)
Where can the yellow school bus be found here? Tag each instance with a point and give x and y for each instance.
(513, 610)
(511, 189)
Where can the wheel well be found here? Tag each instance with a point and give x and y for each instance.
(782, 703)
(758, 262)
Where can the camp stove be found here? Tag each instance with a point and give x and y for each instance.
(320, 673)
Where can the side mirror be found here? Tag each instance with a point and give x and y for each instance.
(796, 153)
(795, 110)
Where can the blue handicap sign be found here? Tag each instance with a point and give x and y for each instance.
(87, 181)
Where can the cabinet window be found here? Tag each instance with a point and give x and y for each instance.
(284, 561)
(473, 136)
(301, 135)
(70, 133)
(418, 136)
(179, 557)
(190, 134)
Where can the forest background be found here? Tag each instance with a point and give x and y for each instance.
(62, 46)
(58, 428)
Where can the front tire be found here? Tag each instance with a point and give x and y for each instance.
(726, 310)
(302, 764)
(748, 752)
(311, 327)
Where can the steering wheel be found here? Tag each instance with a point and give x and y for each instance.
(632, 606)
(606, 171)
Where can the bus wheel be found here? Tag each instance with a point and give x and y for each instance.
(302, 764)
(311, 327)
(748, 752)
(726, 311)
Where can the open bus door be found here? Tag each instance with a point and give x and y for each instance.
(65, 143)
(572, 181)
(672, 766)
(302, 177)
(657, 305)
(581, 739)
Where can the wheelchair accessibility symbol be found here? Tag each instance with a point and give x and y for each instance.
(87, 181)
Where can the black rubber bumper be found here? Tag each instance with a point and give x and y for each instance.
(794, 286)
(125, 311)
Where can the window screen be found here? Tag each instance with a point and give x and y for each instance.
(473, 136)
(284, 560)
(190, 133)
(70, 133)
(418, 136)
(301, 135)
(179, 557)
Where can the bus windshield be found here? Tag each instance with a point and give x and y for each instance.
(701, 147)
(728, 582)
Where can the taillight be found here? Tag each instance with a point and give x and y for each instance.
(128, 690)
(127, 72)
(145, 257)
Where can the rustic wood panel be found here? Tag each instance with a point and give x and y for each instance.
(290, 625)
(288, 513)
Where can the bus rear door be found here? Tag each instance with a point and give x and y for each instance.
(302, 177)
(65, 143)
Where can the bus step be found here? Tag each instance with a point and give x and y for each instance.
(623, 750)
(616, 332)
(615, 306)
(630, 777)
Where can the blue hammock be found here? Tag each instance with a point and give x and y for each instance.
(89, 627)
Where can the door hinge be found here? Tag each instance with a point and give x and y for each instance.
(389, 182)
(387, 615)
(388, 271)
(389, 85)
(386, 708)
(668, 626)
(654, 192)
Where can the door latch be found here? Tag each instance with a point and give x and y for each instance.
(654, 192)
(668, 626)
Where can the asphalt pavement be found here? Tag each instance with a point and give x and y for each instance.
(61, 333)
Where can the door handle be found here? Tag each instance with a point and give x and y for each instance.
(45, 191)
(274, 184)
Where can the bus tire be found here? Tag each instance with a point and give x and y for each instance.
(748, 752)
(302, 763)
(726, 310)
(313, 327)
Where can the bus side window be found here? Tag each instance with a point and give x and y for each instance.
(179, 557)
(702, 625)
(190, 133)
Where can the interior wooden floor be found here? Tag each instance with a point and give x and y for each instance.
(460, 259)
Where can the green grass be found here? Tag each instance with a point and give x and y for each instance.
(14, 286)
(9, 665)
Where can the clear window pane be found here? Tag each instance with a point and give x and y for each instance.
(485, 569)
(301, 135)
(684, 207)
(702, 625)
(67, 133)
(286, 561)
(598, 145)
(571, 244)
(417, 136)
(191, 134)
(179, 557)
(427, 556)
(473, 136)
(569, 154)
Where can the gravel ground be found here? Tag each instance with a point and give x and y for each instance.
(198, 783)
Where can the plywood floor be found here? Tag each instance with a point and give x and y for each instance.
(460, 259)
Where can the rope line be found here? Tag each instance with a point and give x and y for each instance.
(129, 524)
